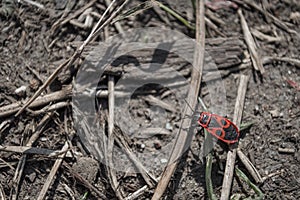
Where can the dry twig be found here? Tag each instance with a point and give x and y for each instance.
(2, 194)
(214, 27)
(292, 61)
(256, 60)
(121, 141)
(231, 156)
(32, 150)
(183, 135)
(109, 165)
(53, 171)
(265, 37)
(41, 101)
(137, 193)
(41, 6)
(157, 102)
(57, 163)
(21, 163)
(116, 24)
(250, 167)
(62, 22)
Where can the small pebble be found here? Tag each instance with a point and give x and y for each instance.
(256, 110)
(163, 160)
(21, 90)
(43, 139)
(274, 113)
(169, 126)
(31, 177)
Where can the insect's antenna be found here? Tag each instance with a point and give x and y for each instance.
(194, 115)
(202, 103)
(189, 105)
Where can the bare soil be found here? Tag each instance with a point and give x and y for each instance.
(32, 46)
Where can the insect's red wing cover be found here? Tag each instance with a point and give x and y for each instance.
(220, 127)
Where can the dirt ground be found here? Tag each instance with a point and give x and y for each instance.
(37, 38)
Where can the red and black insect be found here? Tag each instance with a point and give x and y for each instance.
(220, 127)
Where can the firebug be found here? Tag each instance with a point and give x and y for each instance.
(220, 127)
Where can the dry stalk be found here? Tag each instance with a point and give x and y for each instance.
(116, 24)
(256, 60)
(22, 161)
(250, 167)
(110, 165)
(121, 141)
(231, 155)
(32, 150)
(43, 100)
(183, 136)
(62, 22)
(58, 161)
(53, 171)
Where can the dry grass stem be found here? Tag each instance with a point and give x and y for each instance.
(183, 135)
(256, 60)
(53, 171)
(22, 161)
(231, 156)
(41, 101)
(110, 146)
(250, 167)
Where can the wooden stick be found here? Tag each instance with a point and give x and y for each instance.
(110, 146)
(148, 177)
(53, 171)
(22, 161)
(32, 150)
(41, 101)
(250, 167)
(231, 156)
(183, 136)
(116, 24)
(256, 60)
(57, 163)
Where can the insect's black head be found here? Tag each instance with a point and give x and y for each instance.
(203, 120)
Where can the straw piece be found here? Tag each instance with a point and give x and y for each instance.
(183, 136)
(231, 155)
(256, 60)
